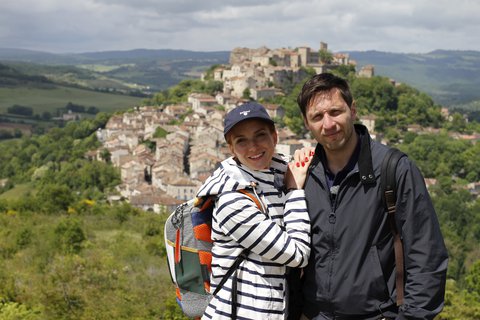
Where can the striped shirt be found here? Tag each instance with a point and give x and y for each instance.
(276, 239)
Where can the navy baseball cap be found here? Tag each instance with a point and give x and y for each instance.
(249, 110)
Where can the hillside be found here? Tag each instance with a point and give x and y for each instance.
(11, 54)
(57, 97)
(46, 89)
(148, 70)
(66, 253)
(84, 76)
(450, 77)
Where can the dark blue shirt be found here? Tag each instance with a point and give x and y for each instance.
(333, 181)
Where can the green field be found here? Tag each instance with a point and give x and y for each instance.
(19, 191)
(42, 100)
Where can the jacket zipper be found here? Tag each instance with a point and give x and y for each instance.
(332, 219)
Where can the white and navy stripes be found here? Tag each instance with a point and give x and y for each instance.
(276, 239)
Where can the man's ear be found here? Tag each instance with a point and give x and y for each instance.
(305, 122)
(353, 110)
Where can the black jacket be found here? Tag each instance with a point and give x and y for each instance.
(351, 271)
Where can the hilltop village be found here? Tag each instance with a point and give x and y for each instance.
(169, 169)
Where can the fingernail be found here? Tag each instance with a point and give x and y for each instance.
(303, 164)
(298, 164)
(306, 158)
(312, 153)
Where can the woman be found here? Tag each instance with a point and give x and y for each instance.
(276, 238)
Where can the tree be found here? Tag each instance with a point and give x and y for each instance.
(5, 134)
(209, 73)
(75, 107)
(457, 123)
(20, 110)
(152, 145)
(46, 116)
(55, 198)
(344, 71)
(14, 311)
(69, 236)
(92, 110)
(213, 87)
(160, 133)
(472, 280)
(459, 304)
(326, 56)
(101, 120)
(63, 293)
(105, 155)
(246, 93)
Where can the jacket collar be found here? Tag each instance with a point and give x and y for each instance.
(365, 166)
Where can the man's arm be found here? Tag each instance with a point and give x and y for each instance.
(425, 254)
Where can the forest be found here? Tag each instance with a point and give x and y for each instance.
(67, 252)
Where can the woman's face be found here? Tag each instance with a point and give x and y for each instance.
(253, 143)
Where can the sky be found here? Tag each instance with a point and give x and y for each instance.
(403, 26)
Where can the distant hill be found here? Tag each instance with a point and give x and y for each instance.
(164, 54)
(151, 70)
(11, 54)
(42, 88)
(10, 76)
(450, 77)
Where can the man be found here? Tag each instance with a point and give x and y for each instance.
(351, 271)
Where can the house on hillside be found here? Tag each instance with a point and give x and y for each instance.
(116, 154)
(274, 110)
(204, 163)
(234, 71)
(263, 93)
(176, 110)
(288, 147)
(369, 122)
(474, 189)
(132, 172)
(201, 100)
(236, 86)
(367, 71)
(147, 202)
(181, 187)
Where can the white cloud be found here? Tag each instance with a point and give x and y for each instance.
(97, 25)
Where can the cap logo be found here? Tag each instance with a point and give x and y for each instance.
(245, 113)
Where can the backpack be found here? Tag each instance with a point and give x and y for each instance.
(389, 193)
(188, 244)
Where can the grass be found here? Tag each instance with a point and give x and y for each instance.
(42, 100)
(18, 192)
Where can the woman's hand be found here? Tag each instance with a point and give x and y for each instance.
(298, 168)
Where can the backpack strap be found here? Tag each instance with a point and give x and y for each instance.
(236, 264)
(389, 193)
(254, 198)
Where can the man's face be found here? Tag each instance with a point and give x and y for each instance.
(330, 120)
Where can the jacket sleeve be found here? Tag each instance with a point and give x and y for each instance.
(239, 218)
(425, 254)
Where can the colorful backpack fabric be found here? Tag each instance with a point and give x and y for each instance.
(188, 244)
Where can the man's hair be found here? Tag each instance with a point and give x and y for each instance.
(322, 83)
